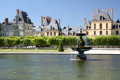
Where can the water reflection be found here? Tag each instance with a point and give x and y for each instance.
(59, 67)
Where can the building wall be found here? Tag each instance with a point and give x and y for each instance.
(104, 29)
(7, 30)
(28, 29)
(114, 32)
(57, 33)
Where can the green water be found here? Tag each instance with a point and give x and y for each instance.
(59, 67)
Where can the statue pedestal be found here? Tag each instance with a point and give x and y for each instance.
(81, 57)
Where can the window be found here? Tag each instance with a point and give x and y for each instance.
(117, 26)
(100, 25)
(106, 32)
(94, 26)
(51, 28)
(106, 25)
(101, 17)
(86, 27)
(117, 32)
(68, 33)
(54, 33)
(47, 33)
(100, 32)
(87, 33)
(73, 33)
(94, 32)
(50, 33)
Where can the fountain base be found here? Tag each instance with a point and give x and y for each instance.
(81, 57)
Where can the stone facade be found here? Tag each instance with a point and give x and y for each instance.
(20, 26)
(102, 24)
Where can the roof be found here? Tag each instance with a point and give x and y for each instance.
(22, 17)
(71, 30)
(104, 14)
(53, 24)
(37, 29)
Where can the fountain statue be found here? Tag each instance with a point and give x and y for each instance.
(81, 47)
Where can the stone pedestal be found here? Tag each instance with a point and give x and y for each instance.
(81, 57)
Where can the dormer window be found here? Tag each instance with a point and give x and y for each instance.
(51, 28)
(101, 17)
(86, 27)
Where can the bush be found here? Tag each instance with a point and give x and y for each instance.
(60, 49)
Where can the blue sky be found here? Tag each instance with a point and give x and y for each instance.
(70, 12)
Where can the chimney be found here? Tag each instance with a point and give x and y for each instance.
(97, 10)
(47, 18)
(68, 29)
(106, 9)
(6, 21)
(84, 21)
(59, 25)
(93, 14)
(17, 11)
(111, 13)
(50, 19)
(41, 20)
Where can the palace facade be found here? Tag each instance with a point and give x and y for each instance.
(102, 24)
(20, 26)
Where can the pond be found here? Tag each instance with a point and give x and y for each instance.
(59, 67)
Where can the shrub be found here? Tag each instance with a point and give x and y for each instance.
(60, 49)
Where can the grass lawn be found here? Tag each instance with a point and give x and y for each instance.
(7, 50)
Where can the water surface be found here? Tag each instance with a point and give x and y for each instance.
(59, 67)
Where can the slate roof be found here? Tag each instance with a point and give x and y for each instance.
(53, 24)
(22, 16)
(71, 30)
(104, 14)
(37, 29)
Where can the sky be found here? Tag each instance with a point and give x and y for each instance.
(70, 12)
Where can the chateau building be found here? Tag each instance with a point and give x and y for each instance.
(20, 26)
(51, 27)
(48, 27)
(102, 24)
